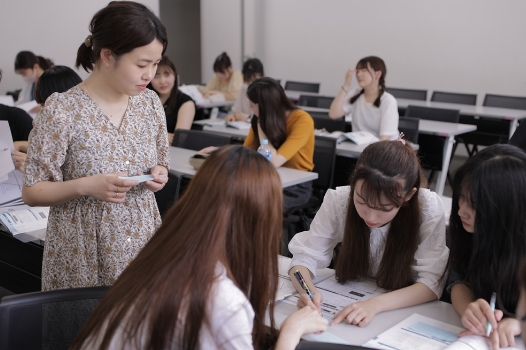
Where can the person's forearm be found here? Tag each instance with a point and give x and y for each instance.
(230, 96)
(416, 294)
(383, 137)
(461, 297)
(47, 193)
(277, 159)
(336, 110)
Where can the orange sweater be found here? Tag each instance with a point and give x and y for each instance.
(298, 148)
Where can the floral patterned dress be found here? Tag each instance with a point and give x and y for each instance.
(90, 242)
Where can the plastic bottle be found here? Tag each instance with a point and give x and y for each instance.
(264, 150)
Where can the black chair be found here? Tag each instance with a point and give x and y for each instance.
(197, 140)
(322, 121)
(301, 86)
(311, 345)
(431, 147)
(46, 320)
(451, 97)
(409, 126)
(410, 94)
(503, 101)
(315, 101)
(519, 136)
(169, 194)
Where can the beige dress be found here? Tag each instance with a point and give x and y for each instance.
(90, 242)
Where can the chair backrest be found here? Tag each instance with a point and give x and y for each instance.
(410, 94)
(409, 126)
(197, 140)
(315, 101)
(503, 101)
(168, 195)
(519, 136)
(428, 113)
(323, 121)
(310, 345)
(324, 159)
(301, 86)
(453, 97)
(46, 320)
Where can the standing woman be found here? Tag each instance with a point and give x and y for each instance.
(178, 106)
(289, 131)
(372, 108)
(30, 67)
(84, 139)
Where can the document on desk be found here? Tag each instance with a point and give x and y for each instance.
(418, 332)
(337, 296)
(25, 220)
(11, 190)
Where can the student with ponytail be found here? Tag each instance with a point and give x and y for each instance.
(86, 138)
(225, 81)
(372, 108)
(30, 67)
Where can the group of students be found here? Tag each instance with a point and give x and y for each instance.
(206, 281)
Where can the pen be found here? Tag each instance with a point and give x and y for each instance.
(304, 285)
(492, 306)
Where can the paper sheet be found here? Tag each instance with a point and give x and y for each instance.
(6, 139)
(6, 164)
(11, 190)
(325, 337)
(25, 220)
(7, 100)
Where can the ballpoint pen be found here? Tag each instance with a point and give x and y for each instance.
(492, 306)
(304, 285)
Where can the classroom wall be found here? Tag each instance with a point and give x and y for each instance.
(50, 28)
(471, 46)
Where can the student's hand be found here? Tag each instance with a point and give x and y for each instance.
(360, 313)
(476, 316)
(160, 178)
(314, 304)
(210, 93)
(170, 138)
(208, 150)
(301, 322)
(348, 78)
(108, 187)
(19, 160)
(230, 118)
(504, 335)
(20, 146)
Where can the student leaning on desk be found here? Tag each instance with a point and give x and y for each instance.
(206, 278)
(225, 81)
(390, 228)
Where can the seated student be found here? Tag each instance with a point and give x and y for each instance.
(521, 305)
(207, 276)
(390, 229)
(179, 108)
(488, 240)
(289, 131)
(30, 67)
(372, 108)
(226, 81)
(252, 70)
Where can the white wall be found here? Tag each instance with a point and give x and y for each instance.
(472, 46)
(50, 28)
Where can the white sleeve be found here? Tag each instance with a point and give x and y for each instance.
(314, 248)
(347, 106)
(235, 332)
(389, 117)
(432, 253)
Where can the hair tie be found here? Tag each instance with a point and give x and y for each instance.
(87, 42)
(401, 138)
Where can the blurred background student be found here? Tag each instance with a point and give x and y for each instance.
(30, 67)
(226, 81)
(252, 70)
(179, 108)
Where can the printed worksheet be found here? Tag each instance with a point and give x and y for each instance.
(11, 190)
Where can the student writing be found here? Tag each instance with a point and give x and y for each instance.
(225, 81)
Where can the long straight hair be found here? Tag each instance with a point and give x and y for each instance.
(160, 301)
(377, 64)
(172, 100)
(389, 170)
(273, 105)
(494, 183)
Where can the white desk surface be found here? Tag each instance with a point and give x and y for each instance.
(489, 112)
(445, 129)
(216, 104)
(179, 165)
(295, 95)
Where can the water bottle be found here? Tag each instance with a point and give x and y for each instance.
(264, 150)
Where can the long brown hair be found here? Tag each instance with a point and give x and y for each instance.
(273, 105)
(230, 213)
(389, 170)
(172, 100)
(377, 64)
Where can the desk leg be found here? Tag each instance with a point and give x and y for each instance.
(441, 182)
(513, 126)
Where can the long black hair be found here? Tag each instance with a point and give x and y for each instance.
(27, 60)
(56, 79)
(377, 64)
(494, 183)
(167, 63)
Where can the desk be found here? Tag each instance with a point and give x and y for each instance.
(215, 104)
(295, 95)
(179, 165)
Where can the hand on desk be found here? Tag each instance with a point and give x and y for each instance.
(210, 93)
(208, 150)
(303, 321)
(360, 313)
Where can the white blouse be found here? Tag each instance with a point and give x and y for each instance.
(314, 248)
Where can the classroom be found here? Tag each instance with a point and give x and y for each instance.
(387, 210)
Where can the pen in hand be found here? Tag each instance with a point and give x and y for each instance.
(304, 285)
(492, 306)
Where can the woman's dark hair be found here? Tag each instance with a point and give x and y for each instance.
(27, 60)
(252, 68)
(172, 100)
(162, 298)
(121, 27)
(389, 170)
(56, 79)
(377, 64)
(494, 183)
(222, 63)
(273, 105)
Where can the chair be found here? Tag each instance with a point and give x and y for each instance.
(169, 194)
(322, 121)
(311, 345)
(451, 97)
(503, 101)
(409, 126)
(197, 140)
(46, 320)
(429, 113)
(519, 136)
(300, 86)
(409, 94)
(315, 101)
